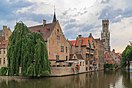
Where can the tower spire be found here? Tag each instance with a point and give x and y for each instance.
(54, 18)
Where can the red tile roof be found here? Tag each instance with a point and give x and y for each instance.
(82, 40)
(72, 42)
(76, 42)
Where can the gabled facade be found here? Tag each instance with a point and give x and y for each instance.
(57, 45)
(85, 46)
(4, 36)
(3, 53)
(80, 62)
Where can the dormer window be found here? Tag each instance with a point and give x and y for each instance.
(47, 29)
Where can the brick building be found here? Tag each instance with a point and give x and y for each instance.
(99, 53)
(4, 36)
(57, 45)
(85, 46)
(3, 53)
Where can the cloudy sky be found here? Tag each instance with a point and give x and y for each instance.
(75, 16)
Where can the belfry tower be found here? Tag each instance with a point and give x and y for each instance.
(105, 35)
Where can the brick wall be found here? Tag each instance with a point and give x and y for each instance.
(59, 71)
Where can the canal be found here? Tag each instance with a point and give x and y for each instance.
(118, 79)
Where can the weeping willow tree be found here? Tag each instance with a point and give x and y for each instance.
(27, 53)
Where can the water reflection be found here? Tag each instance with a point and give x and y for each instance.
(127, 79)
(90, 80)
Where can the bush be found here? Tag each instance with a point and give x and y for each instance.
(109, 66)
(3, 71)
(45, 73)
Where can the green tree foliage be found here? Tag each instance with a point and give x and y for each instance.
(27, 51)
(109, 66)
(3, 70)
(126, 55)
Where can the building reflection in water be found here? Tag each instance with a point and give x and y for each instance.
(88, 80)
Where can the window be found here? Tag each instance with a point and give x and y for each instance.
(80, 63)
(62, 48)
(87, 50)
(4, 61)
(87, 56)
(66, 58)
(58, 37)
(74, 57)
(57, 57)
(57, 30)
(92, 51)
(66, 49)
(4, 51)
(91, 62)
(86, 62)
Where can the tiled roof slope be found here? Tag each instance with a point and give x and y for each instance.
(45, 30)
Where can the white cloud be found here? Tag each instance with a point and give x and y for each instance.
(120, 4)
(121, 33)
(84, 13)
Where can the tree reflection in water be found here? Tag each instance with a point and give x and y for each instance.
(100, 79)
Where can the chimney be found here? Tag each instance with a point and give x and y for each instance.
(90, 35)
(79, 36)
(113, 50)
(4, 27)
(44, 22)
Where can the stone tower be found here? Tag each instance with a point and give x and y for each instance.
(105, 35)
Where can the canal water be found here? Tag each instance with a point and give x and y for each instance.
(118, 79)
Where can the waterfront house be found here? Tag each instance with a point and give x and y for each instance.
(57, 45)
(4, 36)
(80, 66)
(85, 46)
(3, 53)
